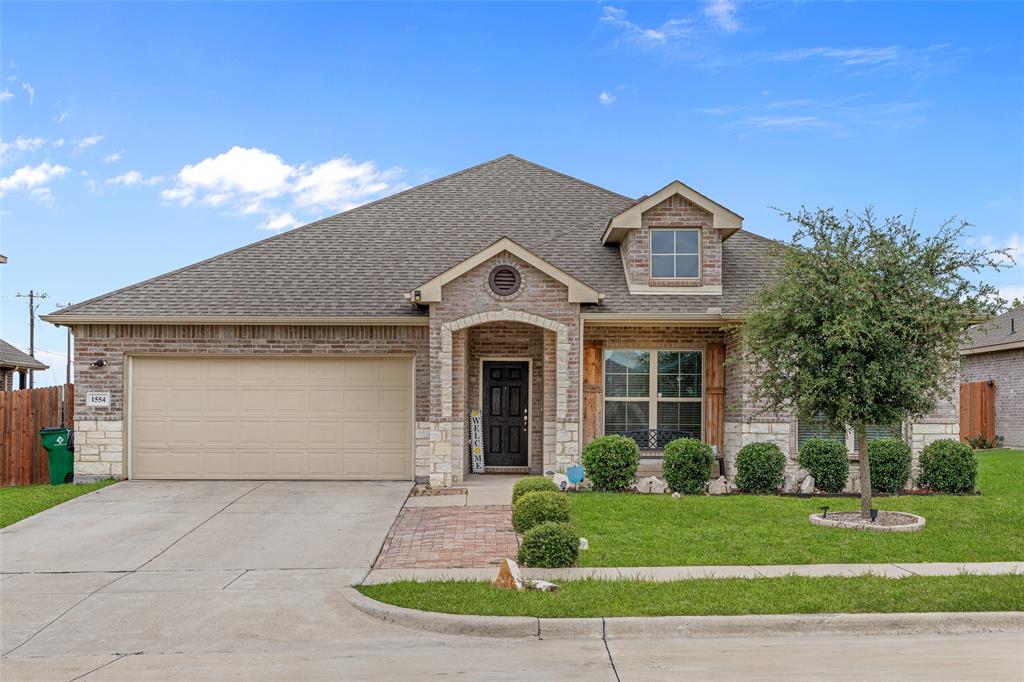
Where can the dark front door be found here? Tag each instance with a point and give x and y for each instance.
(505, 413)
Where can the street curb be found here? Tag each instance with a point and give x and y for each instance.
(691, 626)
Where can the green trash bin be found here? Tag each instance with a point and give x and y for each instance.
(57, 442)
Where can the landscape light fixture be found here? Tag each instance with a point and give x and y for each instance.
(874, 515)
(824, 512)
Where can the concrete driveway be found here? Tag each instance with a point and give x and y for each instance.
(236, 580)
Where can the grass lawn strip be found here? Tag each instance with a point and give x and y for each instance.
(20, 502)
(656, 530)
(707, 597)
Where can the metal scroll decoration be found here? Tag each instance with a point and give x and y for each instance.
(476, 442)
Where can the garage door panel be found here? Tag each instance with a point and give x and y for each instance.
(271, 417)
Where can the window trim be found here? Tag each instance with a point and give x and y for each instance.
(652, 398)
(699, 254)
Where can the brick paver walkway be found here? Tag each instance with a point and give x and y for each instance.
(449, 537)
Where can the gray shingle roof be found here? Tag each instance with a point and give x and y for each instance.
(361, 262)
(12, 357)
(996, 331)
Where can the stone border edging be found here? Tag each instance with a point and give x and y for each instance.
(945, 623)
(914, 527)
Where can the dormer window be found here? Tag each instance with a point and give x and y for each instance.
(675, 253)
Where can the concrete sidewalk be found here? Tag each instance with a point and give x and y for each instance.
(477, 490)
(672, 573)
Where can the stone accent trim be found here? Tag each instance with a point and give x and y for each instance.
(99, 448)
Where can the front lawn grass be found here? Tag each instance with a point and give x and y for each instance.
(21, 501)
(656, 530)
(706, 597)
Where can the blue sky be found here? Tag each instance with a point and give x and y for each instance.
(141, 137)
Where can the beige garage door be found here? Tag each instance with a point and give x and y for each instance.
(271, 417)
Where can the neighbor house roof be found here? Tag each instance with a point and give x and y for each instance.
(12, 357)
(1003, 332)
(359, 265)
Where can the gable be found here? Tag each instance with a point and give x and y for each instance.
(722, 219)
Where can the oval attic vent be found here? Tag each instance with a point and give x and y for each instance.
(505, 280)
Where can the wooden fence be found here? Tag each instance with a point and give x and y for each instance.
(22, 413)
(978, 410)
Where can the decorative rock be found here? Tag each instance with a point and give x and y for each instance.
(561, 480)
(719, 486)
(541, 585)
(584, 544)
(792, 480)
(643, 485)
(658, 486)
(676, 496)
(509, 576)
(807, 486)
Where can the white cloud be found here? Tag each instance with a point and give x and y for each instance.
(132, 178)
(1012, 291)
(6, 95)
(785, 121)
(606, 98)
(280, 222)
(90, 141)
(672, 29)
(723, 13)
(33, 179)
(253, 181)
(20, 144)
(27, 87)
(111, 158)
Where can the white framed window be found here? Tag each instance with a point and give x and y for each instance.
(675, 253)
(819, 428)
(654, 389)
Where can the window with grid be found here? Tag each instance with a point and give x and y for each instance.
(665, 394)
(675, 254)
(819, 428)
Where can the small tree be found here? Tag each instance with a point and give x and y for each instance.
(864, 322)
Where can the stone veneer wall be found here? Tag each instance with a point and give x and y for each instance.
(1006, 369)
(676, 211)
(511, 340)
(467, 302)
(99, 430)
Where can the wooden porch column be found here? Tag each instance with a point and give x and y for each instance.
(593, 405)
(714, 396)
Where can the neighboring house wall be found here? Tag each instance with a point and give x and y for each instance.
(675, 211)
(468, 301)
(6, 379)
(1006, 369)
(100, 430)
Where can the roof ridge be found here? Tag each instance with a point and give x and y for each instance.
(567, 176)
(297, 230)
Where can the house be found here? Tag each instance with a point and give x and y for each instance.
(995, 352)
(356, 347)
(15, 363)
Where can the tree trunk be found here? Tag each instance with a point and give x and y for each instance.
(865, 473)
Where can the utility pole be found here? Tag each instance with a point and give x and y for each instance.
(32, 305)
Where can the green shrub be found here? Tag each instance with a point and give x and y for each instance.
(610, 462)
(535, 508)
(687, 465)
(759, 468)
(826, 460)
(949, 466)
(550, 545)
(890, 464)
(532, 484)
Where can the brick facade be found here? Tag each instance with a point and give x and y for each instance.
(676, 211)
(1006, 369)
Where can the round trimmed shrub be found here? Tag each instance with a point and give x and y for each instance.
(532, 484)
(610, 462)
(533, 509)
(687, 465)
(759, 468)
(826, 460)
(949, 466)
(550, 545)
(890, 464)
